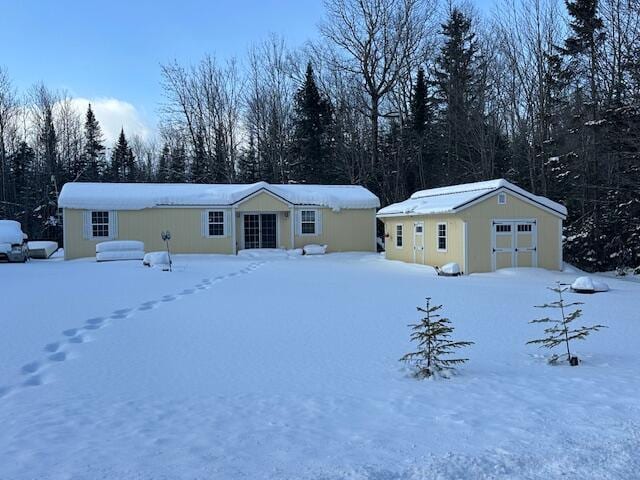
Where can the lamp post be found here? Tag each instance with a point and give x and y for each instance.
(166, 236)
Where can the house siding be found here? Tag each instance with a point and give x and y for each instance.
(346, 230)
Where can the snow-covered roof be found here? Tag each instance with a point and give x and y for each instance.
(137, 196)
(456, 197)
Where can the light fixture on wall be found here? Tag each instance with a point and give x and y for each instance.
(286, 214)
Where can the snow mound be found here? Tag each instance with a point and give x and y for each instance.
(266, 253)
(119, 246)
(588, 285)
(450, 269)
(153, 259)
(314, 249)
(119, 255)
(11, 232)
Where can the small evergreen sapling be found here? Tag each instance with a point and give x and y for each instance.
(561, 332)
(433, 335)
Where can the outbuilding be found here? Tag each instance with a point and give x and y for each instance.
(480, 226)
(218, 218)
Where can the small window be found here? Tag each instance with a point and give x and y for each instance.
(419, 229)
(524, 227)
(399, 236)
(308, 222)
(502, 228)
(442, 237)
(216, 224)
(100, 224)
(502, 199)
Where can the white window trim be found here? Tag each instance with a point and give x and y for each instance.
(502, 198)
(112, 225)
(315, 222)
(438, 237)
(395, 241)
(224, 224)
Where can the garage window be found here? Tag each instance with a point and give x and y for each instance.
(308, 222)
(399, 237)
(442, 237)
(502, 228)
(502, 199)
(525, 227)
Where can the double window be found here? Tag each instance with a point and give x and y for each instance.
(100, 224)
(308, 222)
(442, 237)
(215, 223)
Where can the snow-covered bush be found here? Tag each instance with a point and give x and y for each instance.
(156, 259)
(588, 285)
(432, 334)
(560, 332)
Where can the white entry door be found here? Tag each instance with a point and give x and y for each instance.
(418, 242)
(514, 244)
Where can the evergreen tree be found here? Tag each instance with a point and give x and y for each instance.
(456, 87)
(91, 166)
(49, 141)
(561, 332)
(123, 164)
(421, 117)
(178, 165)
(22, 166)
(311, 144)
(433, 335)
(164, 164)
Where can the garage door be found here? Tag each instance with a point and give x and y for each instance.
(514, 244)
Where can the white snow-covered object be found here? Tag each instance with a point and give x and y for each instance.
(456, 197)
(42, 248)
(314, 249)
(267, 253)
(589, 285)
(137, 196)
(119, 255)
(5, 247)
(153, 259)
(11, 232)
(119, 246)
(449, 269)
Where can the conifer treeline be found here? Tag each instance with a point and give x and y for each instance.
(396, 95)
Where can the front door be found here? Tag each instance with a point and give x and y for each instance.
(260, 230)
(418, 242)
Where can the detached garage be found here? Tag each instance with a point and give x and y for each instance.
(481, 226)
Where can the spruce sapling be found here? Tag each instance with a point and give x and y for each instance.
(433, 335)
(561, 332)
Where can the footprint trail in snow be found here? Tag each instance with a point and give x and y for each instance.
(57, 352)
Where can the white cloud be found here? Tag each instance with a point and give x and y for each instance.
(113, 115)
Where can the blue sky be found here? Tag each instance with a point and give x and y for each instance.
(113, 49)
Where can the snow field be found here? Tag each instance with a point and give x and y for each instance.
(288, 368)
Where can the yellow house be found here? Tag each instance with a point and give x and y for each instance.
(480, 226)
(218, 218)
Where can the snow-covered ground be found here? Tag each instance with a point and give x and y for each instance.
(285, 367)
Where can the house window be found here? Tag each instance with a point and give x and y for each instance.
(526, 227)
(216, 223)
(399, 236)
(100, 224)
(501, 228)
(308, 222)
(442, 237)
(502, 199)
